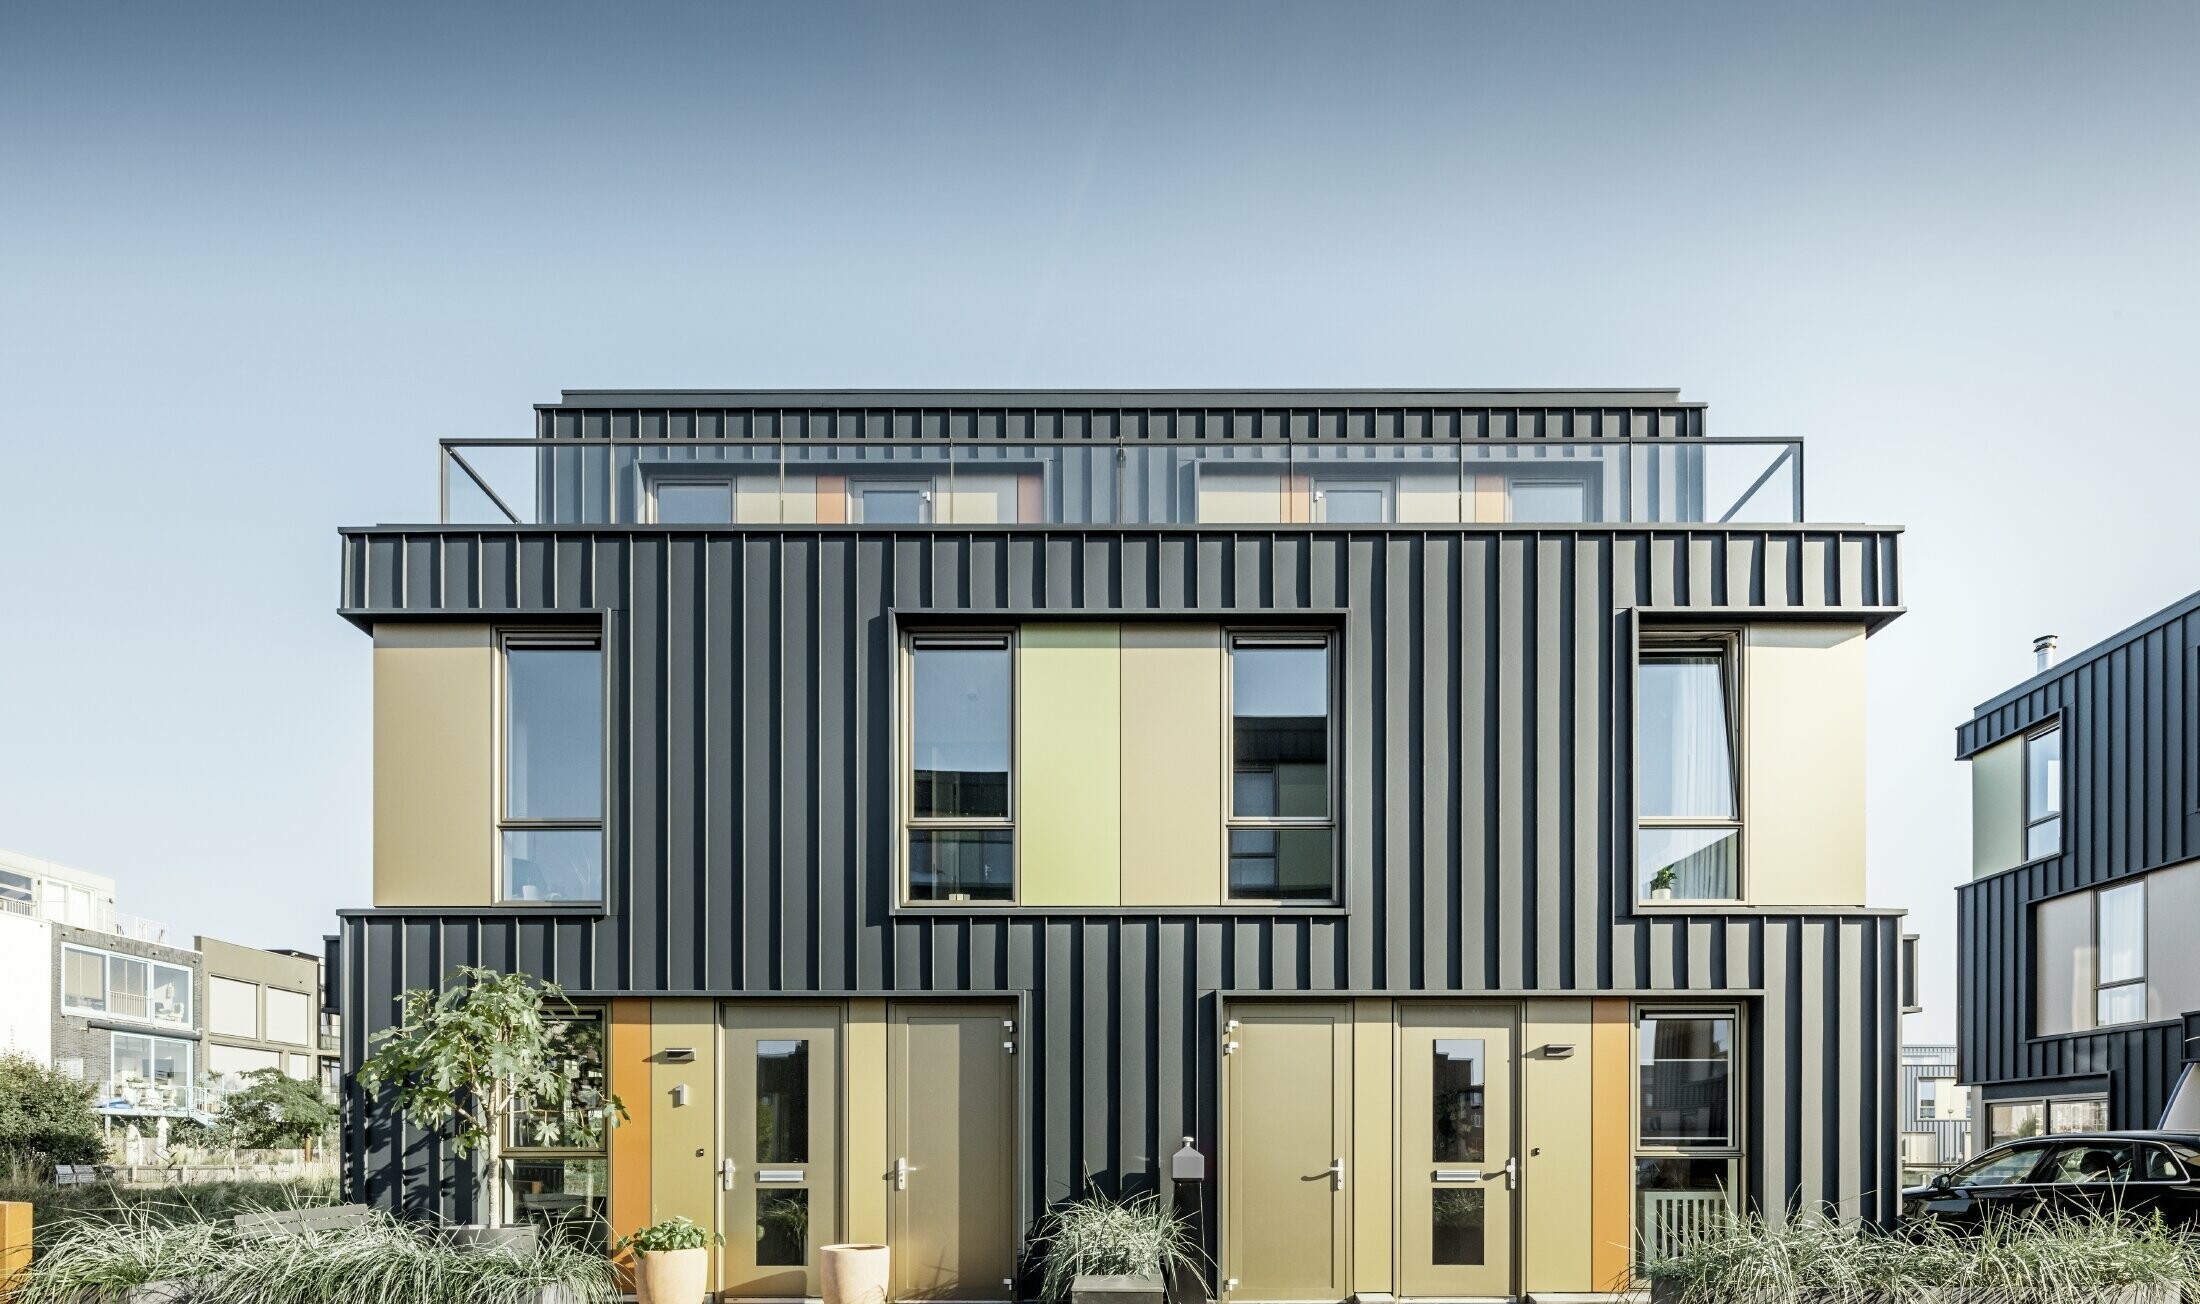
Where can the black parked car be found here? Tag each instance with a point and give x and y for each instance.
(2076, 1172)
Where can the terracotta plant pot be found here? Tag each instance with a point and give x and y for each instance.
(855, 1274)
(670, 1276)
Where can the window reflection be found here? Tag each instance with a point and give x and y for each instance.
(782, 1102)
(1457, 1096)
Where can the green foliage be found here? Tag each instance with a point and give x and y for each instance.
(671, 1234)
(382, 1262)
(52, 1206)
(45, 1119)
(1097, 1236)
(276, 1112)
(2011, 1261)
(1664, 879)
(478, 1052)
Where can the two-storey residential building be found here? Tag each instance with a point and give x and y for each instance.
(262, 1012)
(1446, 808)
(2078, 982)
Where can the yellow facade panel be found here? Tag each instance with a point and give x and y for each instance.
(683, 1142)
(1805, 765)
(1173, 765)
(1068, 743)
(435, 724)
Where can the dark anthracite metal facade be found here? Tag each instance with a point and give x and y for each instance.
(1487, 832)
(2131, 803)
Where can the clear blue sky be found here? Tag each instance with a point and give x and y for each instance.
(254, 260)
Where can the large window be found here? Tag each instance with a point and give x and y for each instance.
(1687, 1138)
(2014, 1120)
(151, 1072)
(1282, 820)
(289, 1017)
(1685, 793)
(2043, 793)
(556, 1162)
(958, 793)
(2120, 992)
(552, 830)
(232, 1008)
(124, 986)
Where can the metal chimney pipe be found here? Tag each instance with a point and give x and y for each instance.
(2043, 648)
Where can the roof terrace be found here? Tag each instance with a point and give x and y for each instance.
(1285, 458)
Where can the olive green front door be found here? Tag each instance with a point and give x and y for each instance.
(779, 1161)
(1457, 1168)
(951, 1134)
(1287, 1085)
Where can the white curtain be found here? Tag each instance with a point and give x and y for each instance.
(1686, 747)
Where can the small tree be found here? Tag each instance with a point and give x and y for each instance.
(477, 1056)
(276, 1112)
(45, 1119)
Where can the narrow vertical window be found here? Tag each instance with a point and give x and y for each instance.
(552, 827)
(1690, 836)
(1687, 1140)
(961, 836)
(2043, 793)
(1910, 1002)
(1282, 823)
(2121, 955)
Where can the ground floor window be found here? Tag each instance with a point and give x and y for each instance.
(1687, 1125)
(2014, 1120)
(556, 1163)
(151, 1072)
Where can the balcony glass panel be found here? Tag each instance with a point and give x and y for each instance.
(996, 481)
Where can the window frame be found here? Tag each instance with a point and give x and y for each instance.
(1908, 953)
(2031, 823)
(105, 1009)
(508, 1155)
(575, 640)
(2100, 954)
(1006, 638)
(1321, 486)
(1333, 817)
(186, 1086)
(1652, 642)
(925, 484)
(658, 483)
(1732, 1154)
(1985, 1116)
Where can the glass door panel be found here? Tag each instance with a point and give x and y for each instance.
(777, 1173)
(1456, 1167)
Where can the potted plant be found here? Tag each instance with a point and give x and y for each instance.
(671, 1261)
(488, 1054)
(1119, 1250)
(1661, 884)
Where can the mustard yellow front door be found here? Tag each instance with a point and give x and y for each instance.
(1457, 1168)
(951, 1131)
(1286, 1157)
(779, 1163)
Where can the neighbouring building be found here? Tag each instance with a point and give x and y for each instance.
(2078, 981)
(1445, 808)
(262, 1012)
(160, 1030)
(328, 1023)
(1936, 1113)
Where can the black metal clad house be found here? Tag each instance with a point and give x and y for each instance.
(1484, 636)
(2078, 1008)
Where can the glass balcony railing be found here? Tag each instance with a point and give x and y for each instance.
(859, 482)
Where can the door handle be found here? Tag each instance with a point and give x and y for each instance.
(901, 1174)
(1336, 1173)
(1512, 1173)
(725, 1174)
